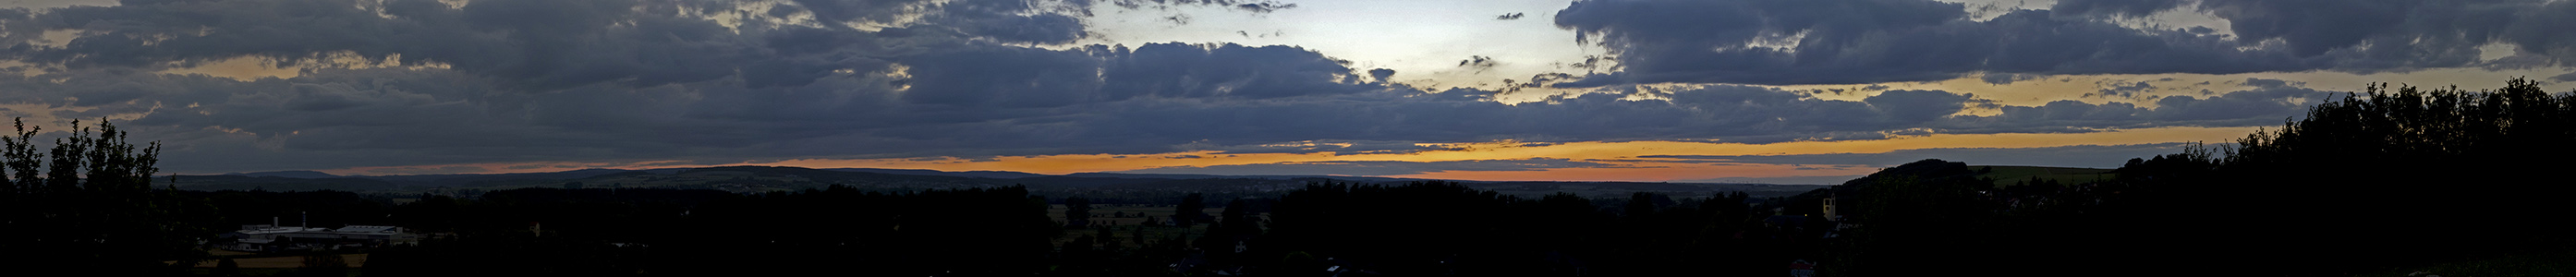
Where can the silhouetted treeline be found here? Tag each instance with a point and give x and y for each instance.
(88, 204)
(2371, 182)
(2393, 178)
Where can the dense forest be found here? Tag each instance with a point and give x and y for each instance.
(2382, 180)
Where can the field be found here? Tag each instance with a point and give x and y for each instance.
(253, 260)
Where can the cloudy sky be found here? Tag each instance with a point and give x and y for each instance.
(1789, 91)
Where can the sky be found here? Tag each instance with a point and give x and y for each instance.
(1770, 91)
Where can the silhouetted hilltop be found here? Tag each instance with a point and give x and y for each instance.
(306, 174)
(927, 172)
(274, 183)
(1924, 169)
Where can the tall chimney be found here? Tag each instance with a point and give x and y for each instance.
(272, 222)
(307, 218)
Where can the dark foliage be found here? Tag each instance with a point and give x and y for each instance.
(89, 205)
(2373, 181)
(2419, 175)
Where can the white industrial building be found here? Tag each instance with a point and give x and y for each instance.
(272, 237)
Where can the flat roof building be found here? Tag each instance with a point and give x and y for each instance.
(266, 238)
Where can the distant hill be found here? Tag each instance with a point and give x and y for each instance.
(560, 175)
(1205, 176)
(306, 174)
(927, 172)
(1598, 190)
(306, 180)
(274, 183)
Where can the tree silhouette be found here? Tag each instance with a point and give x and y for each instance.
(1108, 240)
(1077, 212)
(226, 267)
(93, 207)
(1192, 208)
(2457, 156)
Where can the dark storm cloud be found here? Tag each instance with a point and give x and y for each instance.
(1824, 42)
(1732, 113)
(2123, 90)
(2271, 102)
(1915, 106)
(1005, 20)
(1372, 168)
(2097, 156)
(573, 80)
(868, 10)
(2115, 7)
(1244, 5)
(446, 117)
(552, 44)
(1172, 70)
(1264, 7)
(2008, 78)
(1381, 74)
(541, 44)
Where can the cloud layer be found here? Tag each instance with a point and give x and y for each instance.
(422, 82)
(1867, 41)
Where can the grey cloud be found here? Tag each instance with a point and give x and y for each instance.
(2123, 90)
(542, 45)
(2270, 103)
(1264, 7)
(859, 10)
(1040, 28)
(1004, 20)
(1734, 113)
(992, 75)
(2008, 78)
(1480, 63)
(1380, 75)
(1915, 106)
(1254, 6)
(1224, 71)
(1373, 168)
(2131, 8)
(658, 86)
(1828, 42)
(450, 117)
